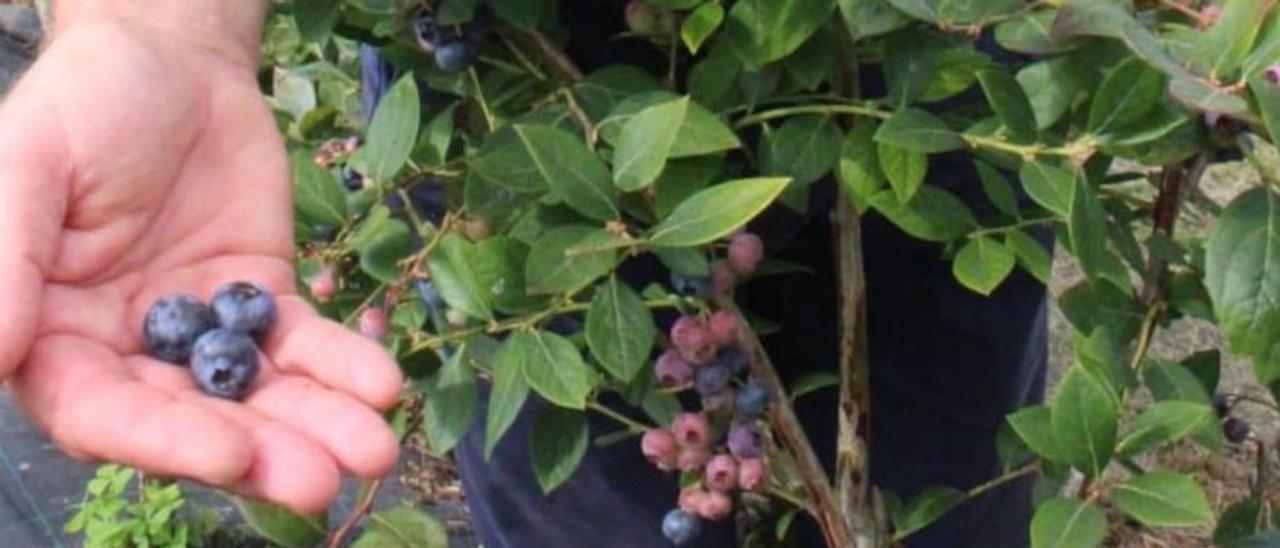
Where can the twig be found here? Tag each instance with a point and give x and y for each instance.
(1173, 182)
(556, 58)
(1026, 469)
(866, 109)
(356, 515)
(790, 434)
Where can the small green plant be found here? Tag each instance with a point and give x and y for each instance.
(108, 517)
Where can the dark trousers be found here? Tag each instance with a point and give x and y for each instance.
(946, 366)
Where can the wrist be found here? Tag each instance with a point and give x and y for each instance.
(230, 28)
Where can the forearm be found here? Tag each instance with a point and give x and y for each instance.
(232, 28)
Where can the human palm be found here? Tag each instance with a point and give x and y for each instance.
(139, 170)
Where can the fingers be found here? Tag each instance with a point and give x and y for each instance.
(32, 205)
(358, 438)
(85, 397)
(303, 342)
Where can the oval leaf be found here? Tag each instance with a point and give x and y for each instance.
(393, 131)
(509, 392)
(717, 211)
(1163, 499)
(1083, 415)
(620, 330)
(556, 446)
(1066, 523)
(571, 170)
(281, 525)
(645, 144)
(982, 264)
(554, 368)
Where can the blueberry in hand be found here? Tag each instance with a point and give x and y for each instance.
(224, 363)
(454, 55)
(172, 326)
(692, 286)
(430, 294)
(752, 399)
(244, 307)
(680, 527)
(711, 379)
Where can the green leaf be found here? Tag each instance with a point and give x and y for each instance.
(436, 137)
(934, 214)
(620, 330)
(812, 381)
(1206, 365)
(380, 257)
(1054, 85)
(645, 144)
(452, 271)
(1130, 90)
(316, 195)
(715, 212)
(1010, 103)
(402, 527)
(763, 31)
(1067, 523)
(1242, 273)
(316, 19)
(1267, 95)
(601, 90)
(1173, 382)
(509, 392)
(556, 446)
(1165, 422)
(1202, 96)
(1240, 521)
(700, 24)
(926, 507)
(682, 179)
(701, 131)
(1087, 229)
(868, 18)
(997, 188)
(503, 161)
(905, 169)
(1084, 415)
(562, 260)
(1163, 499)
(858, 169)
(1033, 33)
(804, 148)
(392, 132)
(570, 170)
(1230, 38)
(554, 368)
(1032, 424)
(498, 264)
(918, 131)
(450, 402)
(982, 264)
(280, 525)
(522, 14)
(456, 12)
(1031, 254)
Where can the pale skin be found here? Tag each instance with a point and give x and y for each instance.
(138, 159)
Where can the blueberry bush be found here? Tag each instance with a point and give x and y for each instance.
(466, 194)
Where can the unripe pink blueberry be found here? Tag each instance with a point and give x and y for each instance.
(659, 446)
(723, 327)
(721, 473)
(373, 323)
(672, 370)
(691, 430)
(751, 474)
(322, 285)
(716, 506)
(722, 278)
(1273, 74)
(691, 498)
(746, 250)
(744, 441)
(692, 340)
(692, 459)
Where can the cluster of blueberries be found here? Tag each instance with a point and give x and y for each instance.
(216, 340)
(722, 443)
(451, 45)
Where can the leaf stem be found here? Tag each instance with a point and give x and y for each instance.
(631, 424)
(1020, 224)
(865, 109)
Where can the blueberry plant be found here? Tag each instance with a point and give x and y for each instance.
(468, 195)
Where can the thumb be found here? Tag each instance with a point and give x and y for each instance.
(33, 179)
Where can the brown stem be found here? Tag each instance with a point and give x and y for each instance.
(560, 62)
(791, 437)
(356, 515)
(1173, 181)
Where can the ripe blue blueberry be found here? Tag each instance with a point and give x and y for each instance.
(752, 399)
(430, 294)
(352, 179)
(692, 286)
(733, 358)
(711, 379)
(454, 54)
(244, 307)
(744, 441)
(1235, 429)
(172, 326)
(224, 363)
(680, 527)
(1221, 404)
